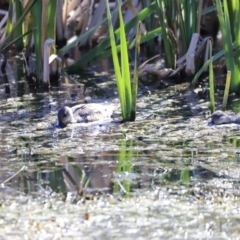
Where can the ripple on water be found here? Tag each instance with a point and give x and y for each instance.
(170, 164)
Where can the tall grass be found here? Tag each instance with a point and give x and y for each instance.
(102, 50)
(122, 72)
(14, 29)
(135, 74)
(34, 18)
(189, 13)
(229, 15)
(166, 19)
(226, 90)
(179, 20)
(211, 79)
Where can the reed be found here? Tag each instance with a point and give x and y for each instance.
(189, 13)
(226, 90)
(179, 21)
(122, 71)
(102, 51)
(229, 15)
(211, 79)
(166, 20)
(26, 19)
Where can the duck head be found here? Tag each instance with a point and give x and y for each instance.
(65, 116)
(220, 117)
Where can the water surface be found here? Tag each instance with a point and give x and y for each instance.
(170, 174)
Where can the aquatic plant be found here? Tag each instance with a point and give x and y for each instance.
(102, 51)
(211, 79)
(229, 14)
(176, 21)
(31, 20)
(179, 21)
(126, 91)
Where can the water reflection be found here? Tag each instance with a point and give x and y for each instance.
(78, 160)
(93, 173)
(171, 149)
(175, 168)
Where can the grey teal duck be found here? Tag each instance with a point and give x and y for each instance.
(84, 113)
(220, 117)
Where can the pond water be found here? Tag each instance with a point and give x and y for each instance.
(170, 174)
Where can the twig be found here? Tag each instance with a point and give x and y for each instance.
(14, 175)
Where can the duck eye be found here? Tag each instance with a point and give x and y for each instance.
(64, 114)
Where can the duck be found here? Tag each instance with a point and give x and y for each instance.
(220, 117)
(85, 113)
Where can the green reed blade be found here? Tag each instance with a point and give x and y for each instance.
(12, 28)
(126, 77)
(135, 74)
(226, 90)
(94, 53)
(206, 65)
(117, 68)
(37, 35)
(211, 79)
(104, 54)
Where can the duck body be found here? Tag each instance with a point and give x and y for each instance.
(220, 117)
(84, 113)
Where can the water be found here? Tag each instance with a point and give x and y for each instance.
(167, 175)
